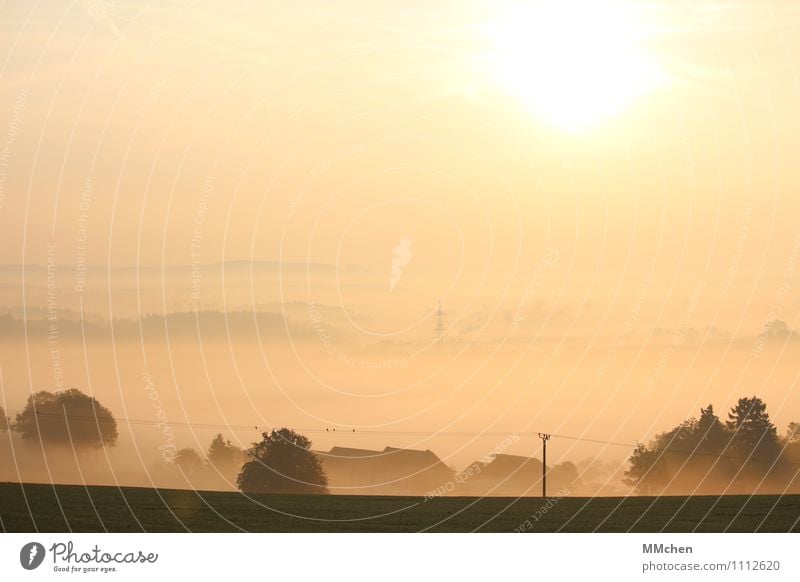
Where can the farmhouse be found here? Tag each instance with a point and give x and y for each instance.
(392, 471)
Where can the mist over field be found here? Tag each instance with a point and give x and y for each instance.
(412, 243)
(177, 375)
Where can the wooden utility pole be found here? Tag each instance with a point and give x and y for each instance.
(545, 438)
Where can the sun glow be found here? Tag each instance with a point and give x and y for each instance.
(574, 63)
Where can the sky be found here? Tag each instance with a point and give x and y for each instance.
(603, 196)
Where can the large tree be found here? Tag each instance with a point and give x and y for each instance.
(646, 473)
(703, 455)
(753, 434)
(189, 462)
(3, 419)
(688, 459)
(69, 417)
(224, 456)
(282, 462)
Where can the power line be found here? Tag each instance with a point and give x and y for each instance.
(255, 426)
(400, 433)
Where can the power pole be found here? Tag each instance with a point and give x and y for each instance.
(545, 438)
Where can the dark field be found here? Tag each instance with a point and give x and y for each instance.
(62, 508)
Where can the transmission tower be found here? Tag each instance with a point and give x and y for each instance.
(439, 329)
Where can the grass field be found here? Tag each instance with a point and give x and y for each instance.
(60, 508)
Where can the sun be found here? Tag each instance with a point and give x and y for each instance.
(573, 63)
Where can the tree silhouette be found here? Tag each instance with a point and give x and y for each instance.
(282, 462)
(69, 417)
(653, 467)
(224, 456)
(189, 462)
(711, 432)
(3, 419)
(793, 433)
(646, 474)
(791, 451)
(563, 476)
(752, 431)
(704, 456)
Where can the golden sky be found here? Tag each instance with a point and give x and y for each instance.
(561, 175)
